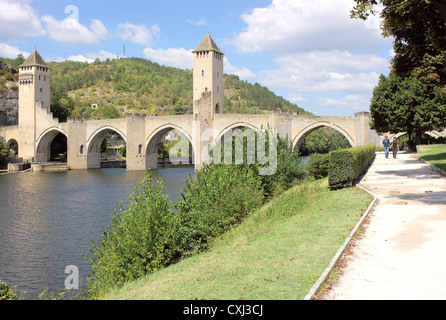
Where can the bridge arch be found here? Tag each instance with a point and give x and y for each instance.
(234, 126)
(304, 133)
(94, 142)
(154, 138)
(433, 134)
(13, 147)
(236, 152)
(45, 141)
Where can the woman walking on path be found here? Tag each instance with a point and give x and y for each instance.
(394, 147)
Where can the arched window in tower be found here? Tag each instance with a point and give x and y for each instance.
(202, 73)
(140, 149)
(81, 151)
(217, 108)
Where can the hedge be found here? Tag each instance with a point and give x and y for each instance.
(347, 165)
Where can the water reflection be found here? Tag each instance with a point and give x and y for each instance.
(47, 220)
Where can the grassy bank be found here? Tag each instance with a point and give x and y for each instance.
(434, 154)
(276, 253)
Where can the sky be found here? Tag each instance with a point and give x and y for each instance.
(310, 52)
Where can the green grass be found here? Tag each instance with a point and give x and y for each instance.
(277, 253)
(434, 154)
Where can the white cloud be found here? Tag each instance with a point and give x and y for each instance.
(296, 98)
(102, 55)
(18, 20)
(70, 32)
(139, 34)
(7, 51)
(91, 56)
(201, 22)
(80, 58)
(172, 57)
(355, 102)
(243, 73)
(347, 104)
(328, 74)
(287, 26)
(311, 72)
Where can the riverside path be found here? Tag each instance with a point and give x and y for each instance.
(401, 255)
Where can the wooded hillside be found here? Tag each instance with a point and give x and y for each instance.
(119, 86)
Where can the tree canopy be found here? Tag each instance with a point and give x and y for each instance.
(4, 150)
(419, 31)
(412, 98)
(407, 104)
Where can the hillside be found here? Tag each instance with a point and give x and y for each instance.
(115, 87)
(112, 88)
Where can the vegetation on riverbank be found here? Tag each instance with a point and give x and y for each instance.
(434, 154)
(276, 253)
(6, 293)
(153, 233)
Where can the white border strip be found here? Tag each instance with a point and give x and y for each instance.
(310, 295)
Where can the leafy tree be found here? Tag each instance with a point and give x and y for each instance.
(323, 140)
(409, 104)
(4, 152)
(19, 60)
(419, 31)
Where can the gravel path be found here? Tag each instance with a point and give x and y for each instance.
(402, 254)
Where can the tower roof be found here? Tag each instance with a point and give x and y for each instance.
(34, 60)
(207, 44)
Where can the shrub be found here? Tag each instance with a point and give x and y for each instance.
(139, 241)
(6, 293)
(347, 165)
(286, 169)
(152, 233)
(218, 197)
(318, 165)
(289, 169)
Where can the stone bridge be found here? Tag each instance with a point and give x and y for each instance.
(142, 134)
(37, 128)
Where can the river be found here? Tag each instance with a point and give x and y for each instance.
(47, 221)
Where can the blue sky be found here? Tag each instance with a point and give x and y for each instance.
(308, 51)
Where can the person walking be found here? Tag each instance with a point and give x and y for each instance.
(394, 147)
(386, 146)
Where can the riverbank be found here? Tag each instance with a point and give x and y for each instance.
(277, 253)
(399, 256)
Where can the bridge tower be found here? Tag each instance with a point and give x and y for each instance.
(208, 76)
(34, 96)
(207, 96)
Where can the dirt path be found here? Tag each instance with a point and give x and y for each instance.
(402, 254)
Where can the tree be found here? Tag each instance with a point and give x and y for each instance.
(4, 152)
(419, 31)
(409, 104)
(19, 60)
